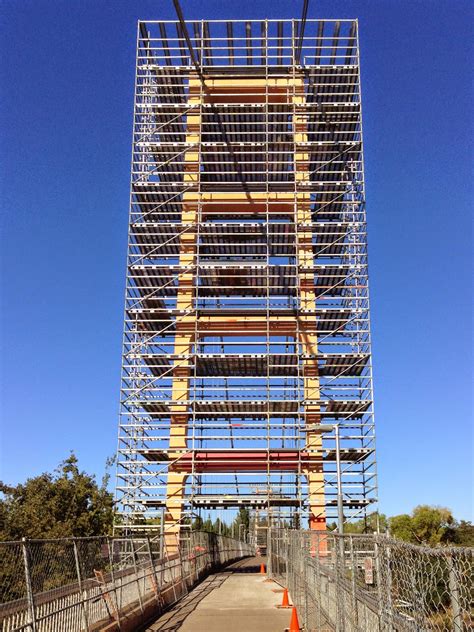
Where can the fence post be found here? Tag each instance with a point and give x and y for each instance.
(135, 566)
(110, 546)
(306, 561)
(389, 584)
(153, 571)
(318, 582)
(81, 587)
(168, 569)
(378, 574)
(454, 595)
(339, 592)
(355, 609)
(162, 537)
(162, 559)
(180, 557)
(29, 588)
(269, 553)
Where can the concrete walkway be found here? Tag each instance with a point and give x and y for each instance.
(235, 600)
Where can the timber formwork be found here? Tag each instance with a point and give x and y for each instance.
(247, 304)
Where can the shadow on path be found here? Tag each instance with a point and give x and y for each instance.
(249, 565)
(172, 620)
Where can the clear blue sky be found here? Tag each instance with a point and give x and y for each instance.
(66, 116)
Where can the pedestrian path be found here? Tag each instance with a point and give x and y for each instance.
(234, 600)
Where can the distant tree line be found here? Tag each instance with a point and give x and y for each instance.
(240, 523)
(427, 525)
(69, 502)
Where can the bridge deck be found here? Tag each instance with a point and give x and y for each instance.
(235, 599)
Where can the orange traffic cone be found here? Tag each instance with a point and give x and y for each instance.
(262, 569)
(294, 623)
(285, 602)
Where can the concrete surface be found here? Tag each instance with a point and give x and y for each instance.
(237, 599)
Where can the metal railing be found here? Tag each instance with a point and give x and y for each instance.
(78, 584)
(367, 583)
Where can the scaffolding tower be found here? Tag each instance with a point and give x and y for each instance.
(247, 375)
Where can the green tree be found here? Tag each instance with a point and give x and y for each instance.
(401, 527)
(373, 523)
(426, 525)
(207, 524)
(463, 533)
(198, 524)
(243, 517)
(61, 504)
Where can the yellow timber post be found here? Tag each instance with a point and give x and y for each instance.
(185, 330)
(307, 330)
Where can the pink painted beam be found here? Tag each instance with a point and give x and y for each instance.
(243, 461)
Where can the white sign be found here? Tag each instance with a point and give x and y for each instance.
(369, 570)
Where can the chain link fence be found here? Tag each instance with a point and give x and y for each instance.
(344, 583)
(78, 584)
(365, 583)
